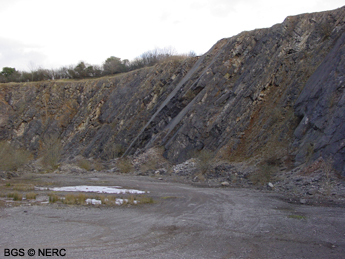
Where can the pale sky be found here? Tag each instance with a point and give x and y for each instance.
(56, 33)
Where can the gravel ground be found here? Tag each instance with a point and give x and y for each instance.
(184, 222)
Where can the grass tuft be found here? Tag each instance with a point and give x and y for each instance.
(143, 199)
(108, 200)
(23, 187)
(297, 217)
(75, 199)
(169, 197)
(53, 198)
(31, 196)
(16, 196)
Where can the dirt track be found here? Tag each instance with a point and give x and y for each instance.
(184, 222)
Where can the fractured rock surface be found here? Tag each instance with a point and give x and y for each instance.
(276, 93)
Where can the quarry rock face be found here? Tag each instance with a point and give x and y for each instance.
(275, 94)
(321, 107)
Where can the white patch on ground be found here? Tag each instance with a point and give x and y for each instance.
(97, 189)
(93, 201)
(118, 201)
(121, 201)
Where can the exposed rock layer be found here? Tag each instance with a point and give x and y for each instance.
(276, 94)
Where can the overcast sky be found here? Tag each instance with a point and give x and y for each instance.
(55, 33)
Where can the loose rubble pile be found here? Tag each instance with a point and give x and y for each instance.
(311, 184)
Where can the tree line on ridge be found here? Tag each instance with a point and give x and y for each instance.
(112, 65)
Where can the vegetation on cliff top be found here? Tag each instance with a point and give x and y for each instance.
(112, 65)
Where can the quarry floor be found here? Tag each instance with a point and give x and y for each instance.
(183, 222)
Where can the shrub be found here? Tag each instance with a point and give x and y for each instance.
(12, 158)
(124, 165)
(204, 161)
(84, 164)
(114, 65)
(328, 169)
(262, 175)
(52, 149)
(326, 29)
(265, 171)
(114, 150)
(98, 166)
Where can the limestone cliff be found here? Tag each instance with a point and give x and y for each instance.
(268, 93)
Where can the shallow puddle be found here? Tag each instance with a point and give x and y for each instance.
(96, 189)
